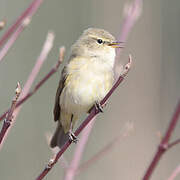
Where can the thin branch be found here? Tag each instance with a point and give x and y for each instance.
(40, 60)
(132, 12)
(172, 144)
(126, 131)
(45, 50)
(92, 114)
(9, 118)
(175, 173)
(40, 83)
(13, 38)
(27, 13)
(164, 145)
(71, 171)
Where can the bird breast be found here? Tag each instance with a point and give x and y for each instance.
(88, 81)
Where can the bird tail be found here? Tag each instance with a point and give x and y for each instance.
(59, 138)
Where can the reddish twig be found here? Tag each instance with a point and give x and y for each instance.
(9, 118)
(106, 149)
(13, 38)
(175, 173)
(131, 12)
(40, 83)
(92, 114)
(27, 13)
(40, 60)
(164, 145)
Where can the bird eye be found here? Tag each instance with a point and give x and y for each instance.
(100, 41)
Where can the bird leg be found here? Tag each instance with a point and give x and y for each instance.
(98, 106)
(72, 136)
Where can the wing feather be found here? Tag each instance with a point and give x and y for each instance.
(57, 108)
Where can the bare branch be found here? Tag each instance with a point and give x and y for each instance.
(92, 114)
(27, 13)
(132, 12)
(40, 83)
(46, 48)
(172, 144)
(13, 38)
(40, 60)
(164, 145)
(9, 118)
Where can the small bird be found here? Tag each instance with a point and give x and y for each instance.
(84, 82)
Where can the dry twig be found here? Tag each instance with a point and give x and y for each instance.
(40, 60)
(164, 145)
(9, 117)
(45, 50)
(27, 13)
(40, 83)
(13, 38)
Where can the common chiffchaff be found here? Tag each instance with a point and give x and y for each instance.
(85, 81)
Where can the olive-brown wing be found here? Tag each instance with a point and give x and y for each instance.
(57, 108)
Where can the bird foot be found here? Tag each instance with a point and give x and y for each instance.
(98, 106)
(73, 137)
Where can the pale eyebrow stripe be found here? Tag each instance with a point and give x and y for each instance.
(96, 38)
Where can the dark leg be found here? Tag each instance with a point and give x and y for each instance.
(72, 136)
(98, 106)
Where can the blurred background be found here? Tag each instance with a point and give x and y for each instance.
(147, 97)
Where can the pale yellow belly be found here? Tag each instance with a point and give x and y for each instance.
(83, 89)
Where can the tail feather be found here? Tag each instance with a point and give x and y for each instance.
(59, 138)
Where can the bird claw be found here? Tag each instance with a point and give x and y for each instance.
(98, 106)
(72, 137)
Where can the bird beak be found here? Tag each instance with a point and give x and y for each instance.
(116, 44)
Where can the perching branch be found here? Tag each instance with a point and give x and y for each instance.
(9, 117)
(164, 145)
(92, 114)
(27, 13)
